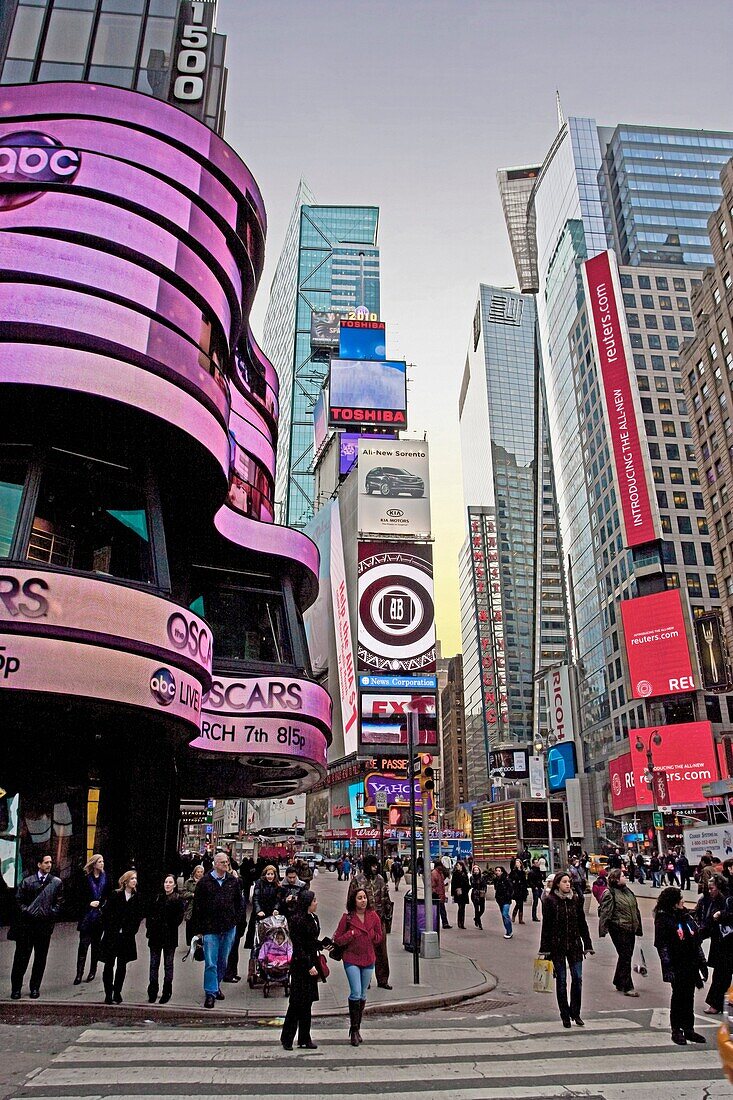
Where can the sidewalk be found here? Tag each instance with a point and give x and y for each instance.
(452, 978)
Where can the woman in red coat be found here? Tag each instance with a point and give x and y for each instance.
(358, 931)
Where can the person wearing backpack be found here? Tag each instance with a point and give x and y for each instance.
(39, 905)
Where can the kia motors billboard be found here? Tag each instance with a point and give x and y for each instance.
(396, 632)
(394, 488)
(621, 403)
(657, 650)
(384, 719)
(367, 392)
(685, 756)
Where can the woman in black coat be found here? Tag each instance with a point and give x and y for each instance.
(120, 921)
(265, 898)
(566, 940)
(95, 892)
(162, 924)
(714, 918)
(460, 887)
(520, 889)
(479, 883)
(677, 940)
(305, 932)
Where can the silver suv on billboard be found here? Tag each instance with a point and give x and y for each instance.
(390, 481)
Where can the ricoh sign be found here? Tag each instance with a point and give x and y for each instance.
(559, 703)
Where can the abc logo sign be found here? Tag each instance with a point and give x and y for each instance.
(29, 157)
(163, 687)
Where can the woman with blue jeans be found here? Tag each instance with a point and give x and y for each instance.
(359, 930)
(504, 896)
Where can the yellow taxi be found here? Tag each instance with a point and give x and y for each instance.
(598, 864)
(725, 1037)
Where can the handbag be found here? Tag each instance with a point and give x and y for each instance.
(388, 914)
(322, 967)
(336, 951)
(542, 975)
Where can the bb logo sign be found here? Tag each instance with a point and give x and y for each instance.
(27, 158)
(163, 686)
(396, 612)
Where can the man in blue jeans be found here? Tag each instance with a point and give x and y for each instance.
(217, 907)
(504, 895)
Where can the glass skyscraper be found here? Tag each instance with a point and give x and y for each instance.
(329, 261)
(499, 423)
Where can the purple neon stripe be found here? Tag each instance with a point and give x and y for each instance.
(255, 444)
(316, 702)
(269, 371)
(64, 211)
(117, 643)
(81, 370)
(245, 409)
(96, 101)
(268, 538)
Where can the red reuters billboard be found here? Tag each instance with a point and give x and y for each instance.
(686, 755)
(621, 778)
(620, 398)
(656, 645)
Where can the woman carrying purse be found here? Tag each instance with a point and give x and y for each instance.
(459, 888)
(358, 932)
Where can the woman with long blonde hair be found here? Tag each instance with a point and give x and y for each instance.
(121, 921)
(95, 892)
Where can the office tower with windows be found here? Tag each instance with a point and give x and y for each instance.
(329, 261)
(168, 49)
(515, 189)
(503, 613)
(636, 189)
(453, 738)
(707, 377)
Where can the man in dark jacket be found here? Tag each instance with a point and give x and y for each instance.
(217, 907)
(39, 904)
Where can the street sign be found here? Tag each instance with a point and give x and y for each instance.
(657, 820)
(380, 800)
(718, 788)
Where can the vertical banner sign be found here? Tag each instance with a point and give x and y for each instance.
(620, 400)
(396, 612)
(191, 56)
(342, 628)
(575, 807)
(537, 787)
(711, 650)
(489, 623)
(559, 703)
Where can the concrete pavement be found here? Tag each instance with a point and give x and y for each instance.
(456, 976)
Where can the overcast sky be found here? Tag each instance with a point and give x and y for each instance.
(412, 106)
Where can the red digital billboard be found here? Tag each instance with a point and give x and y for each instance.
(656, 645)
(620, 398)
(621, 777)
(687, 757)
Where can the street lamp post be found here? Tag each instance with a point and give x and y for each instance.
(655, 738)
(541, 746)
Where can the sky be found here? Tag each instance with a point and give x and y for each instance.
(412, 105)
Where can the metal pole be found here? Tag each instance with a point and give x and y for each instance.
(427, 881)
(550, 838)
(411, 740)
(381, 839)
(655, 805)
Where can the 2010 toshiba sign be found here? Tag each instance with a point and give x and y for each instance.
(610, 341)
(656, 645)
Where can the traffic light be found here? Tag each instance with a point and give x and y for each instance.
(427, 776)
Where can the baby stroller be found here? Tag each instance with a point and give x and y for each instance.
(269, 963)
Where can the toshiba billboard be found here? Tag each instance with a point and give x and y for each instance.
(620, 400)
(656, 645)
(686, 755)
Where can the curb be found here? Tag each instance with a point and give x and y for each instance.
(82, 1015)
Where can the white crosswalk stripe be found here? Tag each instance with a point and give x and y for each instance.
(611, 1059)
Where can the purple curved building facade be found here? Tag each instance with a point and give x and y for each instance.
(151, 635)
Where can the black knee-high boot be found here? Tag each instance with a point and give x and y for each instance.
(81, 958)
(354, 1013)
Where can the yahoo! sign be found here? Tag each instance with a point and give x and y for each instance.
(28, 158)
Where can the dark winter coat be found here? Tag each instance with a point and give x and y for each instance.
(503, 889)
(721, 946)
(619, 907)
(535, 879)
(39, 904)
(459, 887)
(217, 907)
(565, 932)
(92, 889)
(164, 919)
(305, 932)
(266, 897)
(120, 922)
(518, 875)
(677, 940)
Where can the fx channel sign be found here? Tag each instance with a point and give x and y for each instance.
(394, 488)
(396, 613)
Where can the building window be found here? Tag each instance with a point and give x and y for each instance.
(668, 427)
(655, 342)
(694, 586)
(650, 321)
(662, 282)
(684, 525)
(645, 282)
(679, 285)
(92, 517)
(666, 524)
(249, 622)
(675, 475)
(689, 554)
(12, 482)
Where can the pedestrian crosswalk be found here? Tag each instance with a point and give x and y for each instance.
(612, 1058)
